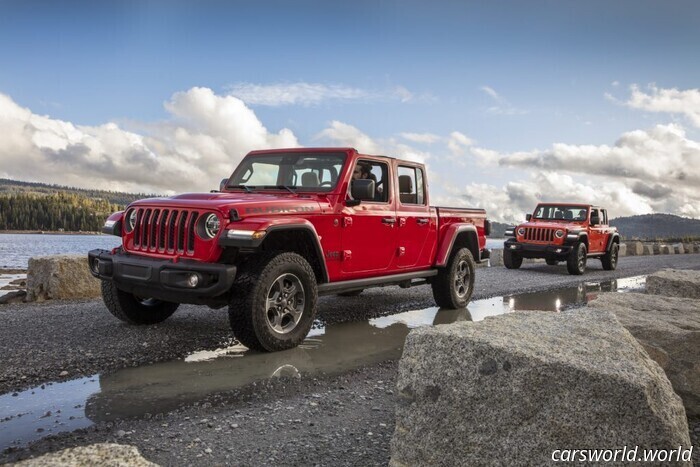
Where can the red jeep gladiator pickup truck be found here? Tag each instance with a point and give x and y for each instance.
(287, 226)
(563, 232)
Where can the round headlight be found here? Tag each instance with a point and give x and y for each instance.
(521, 231)
(131, 220)
(212, 224)
(559, 233)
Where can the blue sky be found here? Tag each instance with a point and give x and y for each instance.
(510, 77)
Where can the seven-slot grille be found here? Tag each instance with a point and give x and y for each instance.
(165, 230)
(537, 234)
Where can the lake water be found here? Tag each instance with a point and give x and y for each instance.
(16, 249)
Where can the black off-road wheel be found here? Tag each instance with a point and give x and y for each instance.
(135, 310)
(273, 302)
(551, 262)
(609, 260)
(576, 262)
(512, 260)
(454, 285)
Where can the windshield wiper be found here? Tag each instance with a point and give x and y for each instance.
(248, 189)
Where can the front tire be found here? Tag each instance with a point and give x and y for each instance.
(273, 302)
(609, 260)
(576, 263)
(454, 285)
(511, 260)
(135, 310)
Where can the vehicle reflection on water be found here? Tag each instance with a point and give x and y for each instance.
(329, 349)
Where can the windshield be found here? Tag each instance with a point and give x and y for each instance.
(561, 213)
(290, 171)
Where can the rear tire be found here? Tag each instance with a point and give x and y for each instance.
(511, 260)
(576, 263)
(552, 262)
(273, 302)
(135, 310)
(454, 284)
(609, 260)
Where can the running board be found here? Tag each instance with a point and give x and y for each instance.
(358, 284)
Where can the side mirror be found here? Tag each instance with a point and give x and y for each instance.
(362, 189)
(223, 183)
(528, 217)
(595, 219)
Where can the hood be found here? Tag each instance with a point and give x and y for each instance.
(247, 204)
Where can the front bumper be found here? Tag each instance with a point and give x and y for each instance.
(533, 250)
(162, 279)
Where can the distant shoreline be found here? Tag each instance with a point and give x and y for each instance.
(47, 232)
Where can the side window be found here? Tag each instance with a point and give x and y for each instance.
(594, 212)
(411, 188)
(377, 171)
(605, 216)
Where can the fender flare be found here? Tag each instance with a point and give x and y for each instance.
(451, 234)
(611, 240)
(288, 225)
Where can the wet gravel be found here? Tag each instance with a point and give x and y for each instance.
(320, 421)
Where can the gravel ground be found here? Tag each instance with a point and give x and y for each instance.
(325, 420)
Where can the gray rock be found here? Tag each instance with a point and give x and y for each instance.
(511, 389)
(635, 248)
(674, 283)
(60, 277)
(678, 249)
(669, 330)
(689, 247)
(623, 250)
(17, 296)
(103, 454)
(648, 250)
(496, 257)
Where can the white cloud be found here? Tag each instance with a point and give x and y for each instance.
(309, 94)
(200, 145)
(615, 83)
(502, 107)
(423, 138)
(458, 142)
(671, 100)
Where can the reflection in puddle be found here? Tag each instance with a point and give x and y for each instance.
(45, 410)
(329, 349)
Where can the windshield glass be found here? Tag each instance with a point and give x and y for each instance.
(561, 213)
(290, 171)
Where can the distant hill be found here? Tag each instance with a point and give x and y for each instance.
(8, 187)
(657, 226)
(38, 206)
(643, 227)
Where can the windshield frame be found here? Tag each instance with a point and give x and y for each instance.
(562, 207)
(288, 159)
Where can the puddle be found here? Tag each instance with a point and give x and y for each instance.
(133, 392)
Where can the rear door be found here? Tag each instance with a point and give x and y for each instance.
(416, 227)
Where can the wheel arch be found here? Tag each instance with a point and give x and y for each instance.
(456, 237)
(301, 239)
(614, 238)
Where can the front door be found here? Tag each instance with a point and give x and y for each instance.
(596, 239)
(370, 230)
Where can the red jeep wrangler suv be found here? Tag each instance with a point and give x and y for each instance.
(287, 226)
(563, 232)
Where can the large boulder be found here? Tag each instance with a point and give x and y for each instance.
(635, 248)
(674, 283)
(496, 258)
(60, 277)
(512, 389)
(103, 454)
(678, 249)
(669, 330)
(623, 250)
(648, 250)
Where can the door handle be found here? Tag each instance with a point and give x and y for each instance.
(422, 221)
(389, 220)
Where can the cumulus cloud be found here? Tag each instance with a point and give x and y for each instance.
(458, 142)
(201, 143)
(502, 107)
(343, 134)
(423, 138)
(309, 94)
(675, 101)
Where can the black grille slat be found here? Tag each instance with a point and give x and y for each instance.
(145, 229)
(171, 230)
(190, 231)
(181, 232)
(153, 234)
(162, 227)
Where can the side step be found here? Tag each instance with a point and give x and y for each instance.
(357, 284)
